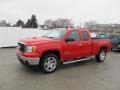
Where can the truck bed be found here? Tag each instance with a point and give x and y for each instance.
(97, 43)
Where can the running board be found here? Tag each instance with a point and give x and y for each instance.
(73, 61)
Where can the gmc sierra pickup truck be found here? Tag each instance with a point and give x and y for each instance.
(61, 46)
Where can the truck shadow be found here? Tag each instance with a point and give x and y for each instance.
(36, 70)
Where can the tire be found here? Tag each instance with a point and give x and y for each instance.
(101, 56)
(49, 63)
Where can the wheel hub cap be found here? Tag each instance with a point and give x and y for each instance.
(102, 56)
(50, 64)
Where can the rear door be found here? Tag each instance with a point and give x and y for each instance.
(86, 43)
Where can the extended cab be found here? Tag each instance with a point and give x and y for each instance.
(61, 46)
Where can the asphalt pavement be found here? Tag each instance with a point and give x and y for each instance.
(86, 75)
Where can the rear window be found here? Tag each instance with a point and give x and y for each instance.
(85, 36)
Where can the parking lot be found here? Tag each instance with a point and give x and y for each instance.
(87, 75)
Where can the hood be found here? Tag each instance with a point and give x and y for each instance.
(34, 40)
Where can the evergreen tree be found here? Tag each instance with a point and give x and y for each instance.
(32, 23)
(28, 24)
(19, 23)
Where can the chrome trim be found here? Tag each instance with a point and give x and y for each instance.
(31, 61)
(23, 46)
(73, 61)
(21, 42)
(50, 64)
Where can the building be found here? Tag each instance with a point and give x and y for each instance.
(113, 29)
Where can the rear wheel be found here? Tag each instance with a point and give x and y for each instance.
(49, 63)
(101, 56)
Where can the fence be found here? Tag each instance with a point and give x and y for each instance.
(10, 35)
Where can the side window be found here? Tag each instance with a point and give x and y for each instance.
(85, 36)
(74, 35)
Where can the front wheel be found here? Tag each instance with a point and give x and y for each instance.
(101, 56)
(49, 63)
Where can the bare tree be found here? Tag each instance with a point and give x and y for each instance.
(63, 23)
(59, 23)
(3, 23)
(49, 23)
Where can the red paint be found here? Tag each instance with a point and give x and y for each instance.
(67, 50)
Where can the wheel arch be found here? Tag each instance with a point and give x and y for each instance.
(104, 47)
(56, 52)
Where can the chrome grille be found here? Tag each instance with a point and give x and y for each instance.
(21, 47)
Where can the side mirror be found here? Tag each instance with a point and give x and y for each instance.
(69, 39)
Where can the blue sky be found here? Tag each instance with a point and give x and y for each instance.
(103, 11)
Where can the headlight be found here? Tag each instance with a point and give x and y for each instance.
(30, 49)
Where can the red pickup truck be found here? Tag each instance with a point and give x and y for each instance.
(61, 46)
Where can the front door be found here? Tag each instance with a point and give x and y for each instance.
(72, 46)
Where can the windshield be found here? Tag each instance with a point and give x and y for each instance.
(55, 34)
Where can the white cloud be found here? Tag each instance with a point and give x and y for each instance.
(104, 11)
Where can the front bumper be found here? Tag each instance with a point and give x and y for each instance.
(29, 61)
